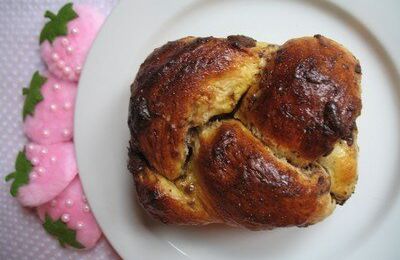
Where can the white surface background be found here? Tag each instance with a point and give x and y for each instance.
(21, 233)
(366, 227)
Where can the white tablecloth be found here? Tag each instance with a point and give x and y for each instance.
(21, 233)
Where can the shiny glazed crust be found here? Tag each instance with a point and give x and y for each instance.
(234, 131)
(308, 99)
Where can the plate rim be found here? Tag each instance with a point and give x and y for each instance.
(344, 7)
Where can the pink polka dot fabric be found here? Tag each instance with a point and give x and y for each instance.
(22, 235)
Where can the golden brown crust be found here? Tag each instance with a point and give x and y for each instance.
(250, 187)
(341, 163)
(287, 162)
(165, 202)
(308, 99)
(166, 89)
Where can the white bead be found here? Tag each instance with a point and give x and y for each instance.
(33, 175)
(67, 70)
(69, 203)
(44, 151)
(41, 170)
(53, 159)
(56, 86)
(78, 69)
(65, 218)
(60, 64)
(31, 147)
(70, 50)
(53, 107)
(86, 208)
(55, 57)
(35, 161)
(67, 105)
(79, 225)
(66, 132)
(64, 42)
(46, 132)
(71, 76)
(74, 30)
(53, 67)
(53, 203)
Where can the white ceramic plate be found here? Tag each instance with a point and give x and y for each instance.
(367, 226)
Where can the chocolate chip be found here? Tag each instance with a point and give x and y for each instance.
(241, 41)
(357, 68)
(189, 188)
(139, 113)
(321, 180)
(332, 118)
(321, 39)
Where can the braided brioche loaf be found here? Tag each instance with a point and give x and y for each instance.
(230, 130)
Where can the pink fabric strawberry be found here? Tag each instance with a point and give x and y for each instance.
(70, 213)
(42, 172)
(49, 109)
(45, 173)
(66, 39)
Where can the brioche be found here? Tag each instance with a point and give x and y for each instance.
(246, 133)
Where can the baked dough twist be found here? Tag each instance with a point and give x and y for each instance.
(230, 130)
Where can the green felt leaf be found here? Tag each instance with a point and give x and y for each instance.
(60, 230)
(33, 94)
(21, 174)
(57, 26)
